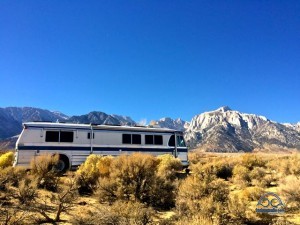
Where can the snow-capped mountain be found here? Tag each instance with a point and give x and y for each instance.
(221, 130)
(226, 130)
(177, 124)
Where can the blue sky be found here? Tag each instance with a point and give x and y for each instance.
(152, 59)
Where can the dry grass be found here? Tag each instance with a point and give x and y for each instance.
(210, 195)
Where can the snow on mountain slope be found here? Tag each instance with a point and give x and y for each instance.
(177, 124)
(231, 131)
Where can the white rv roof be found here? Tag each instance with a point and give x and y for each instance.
(96, 127)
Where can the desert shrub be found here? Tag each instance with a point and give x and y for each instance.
(168, 166)
(237, 207)
(88, 174)
(252, 193)
(120, 213)
(13, 216)
(289, 189)
(285, 165)
(242, 211)
(215, 168)
(281, 221)
(49, 208)
(250, 161)
(258, 177)
(26, 191)
(204, 171)
(241, 176)
(107, 190)
(135, 176)
(43, 169)
(195, 157)
(202, 196)
(133, 212)
(224, 170)
(294, 165)
(163, 193)
(10, 176)
(195, 220)
(104, 164)
(6, 160)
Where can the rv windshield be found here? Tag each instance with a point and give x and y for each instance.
(180, 141)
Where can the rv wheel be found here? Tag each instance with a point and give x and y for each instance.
(63, 164)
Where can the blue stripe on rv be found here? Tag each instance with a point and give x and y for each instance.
(67, 148)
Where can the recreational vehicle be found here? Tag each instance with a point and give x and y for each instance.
(75, 142)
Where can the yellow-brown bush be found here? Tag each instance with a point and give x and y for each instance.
(10, 176)
(202, 196)
(135, 178)
(237, 206)
(241, 176)
(43, 169)
(88, 174)
(26, 191)
(290, 191)
(104, 164)
(168, 166)
(135, 175)
(120, 213)
(251, 160)
(293, 165)
(214, 168)
(6, 160)
(107, 190)
(257, 177)
(252, 193)
(195, 220)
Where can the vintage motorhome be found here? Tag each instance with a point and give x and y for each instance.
(75, 142)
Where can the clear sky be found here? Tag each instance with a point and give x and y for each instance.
(152, 59)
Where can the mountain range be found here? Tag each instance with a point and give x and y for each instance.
(221, 130)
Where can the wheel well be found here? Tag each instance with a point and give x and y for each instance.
(65, 159)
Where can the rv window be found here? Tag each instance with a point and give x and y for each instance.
(66, 136)
(158, 140)
(180, 141)
(136, 139)
(52, 136)
(172, 141)
(89, 135)
(149, 139)
(126, 139)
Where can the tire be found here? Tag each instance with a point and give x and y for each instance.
(63, 164)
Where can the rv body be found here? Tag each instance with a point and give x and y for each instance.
(75, 142)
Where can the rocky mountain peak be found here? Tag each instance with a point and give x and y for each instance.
(224, 109)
